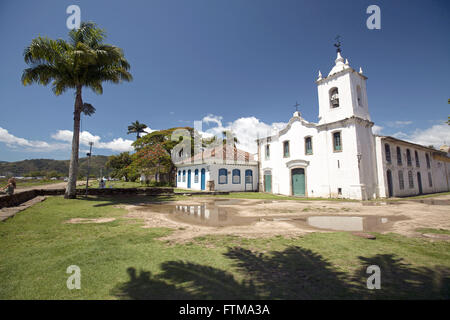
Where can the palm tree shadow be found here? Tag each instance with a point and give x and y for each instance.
(294, 273)
(144, 286)
(400, 280)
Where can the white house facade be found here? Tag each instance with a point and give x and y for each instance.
(218, 169)
(338, 156)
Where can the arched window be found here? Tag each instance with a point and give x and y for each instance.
(416, 155)
(196, 176)
(223, 176)
(387, 151)
(401, 182)
(399, 156)
(308, 145)
(249, 176)
(334, 97)
(428, 160)
(184, 175)
(267, 151)
(408, 157)
(430, 182)
(179, 175)
(359, 96)
(236, 178)
(337, 142)
(410, 179)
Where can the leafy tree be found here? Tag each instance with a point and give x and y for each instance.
(137, 128)
(119, 165)
(152, 159)
(83, 61)
(163, 138)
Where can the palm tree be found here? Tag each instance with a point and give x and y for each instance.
(83, 61)
(137, 128)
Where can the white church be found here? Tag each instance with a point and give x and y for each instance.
(338, 157)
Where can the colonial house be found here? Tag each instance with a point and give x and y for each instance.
(339, 156)
(221, 168)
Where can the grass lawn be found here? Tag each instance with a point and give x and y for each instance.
(122, 260)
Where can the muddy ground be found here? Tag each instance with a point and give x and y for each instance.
(264, 218)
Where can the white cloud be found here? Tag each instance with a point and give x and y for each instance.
(436, 135)
(117, 144)
(14, 142)
(64, 138)
(398, 123)
(147, 131)
(214, 119)
(245, 129)
(376, 129)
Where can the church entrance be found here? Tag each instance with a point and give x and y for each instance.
(298, 182)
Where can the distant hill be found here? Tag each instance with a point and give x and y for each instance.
(22, 168)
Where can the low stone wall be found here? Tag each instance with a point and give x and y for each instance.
(21, 197)
(17, 198)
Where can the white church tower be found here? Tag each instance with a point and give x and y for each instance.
(343, 106)
(342, 93)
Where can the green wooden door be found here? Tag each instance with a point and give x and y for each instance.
(268, 182)
(298, 182)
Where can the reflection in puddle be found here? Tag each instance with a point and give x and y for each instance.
(221, 213)
(341, 223)
(433, 202)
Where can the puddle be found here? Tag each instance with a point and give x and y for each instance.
(220, 213)
(434, 202)
(381, 203)
(344, 223)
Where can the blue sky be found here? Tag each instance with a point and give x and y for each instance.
(230, 60)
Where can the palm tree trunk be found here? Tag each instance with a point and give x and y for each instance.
(73, 169)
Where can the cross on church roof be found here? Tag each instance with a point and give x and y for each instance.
(296, 106)
(338, 43)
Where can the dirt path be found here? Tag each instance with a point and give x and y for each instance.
(58, 185)
(402, 217)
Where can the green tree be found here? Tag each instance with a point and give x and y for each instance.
(119, 165)
(152, 159)
(137, 128)
(82, 62)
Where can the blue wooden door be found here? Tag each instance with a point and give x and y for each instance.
(202, 179)
(189, 179)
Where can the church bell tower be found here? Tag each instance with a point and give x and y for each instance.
(342, 94)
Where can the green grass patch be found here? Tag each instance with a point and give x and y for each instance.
(122, 260)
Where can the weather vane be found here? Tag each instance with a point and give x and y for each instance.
(296, 106)
(338, 43)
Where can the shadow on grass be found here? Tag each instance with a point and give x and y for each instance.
(294, 273)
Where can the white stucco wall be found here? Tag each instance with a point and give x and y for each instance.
(212, 174)
(439, 174)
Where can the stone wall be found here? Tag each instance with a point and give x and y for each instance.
(21, 197)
